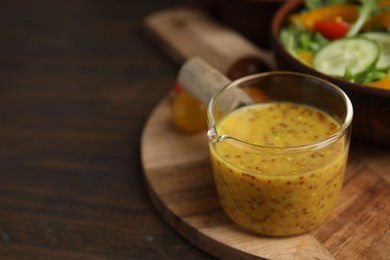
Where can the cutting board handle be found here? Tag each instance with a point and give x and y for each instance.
(201, 80)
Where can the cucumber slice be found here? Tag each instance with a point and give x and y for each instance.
(383, 39)
(353, 55)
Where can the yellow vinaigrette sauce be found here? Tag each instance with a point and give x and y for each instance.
(278, 194)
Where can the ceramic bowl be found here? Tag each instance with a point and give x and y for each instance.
(371, 105)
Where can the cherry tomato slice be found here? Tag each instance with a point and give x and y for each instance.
(331, 29)
(177, 88)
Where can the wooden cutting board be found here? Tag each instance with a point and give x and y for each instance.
(184, 32)
(179, 178)
(180, 182)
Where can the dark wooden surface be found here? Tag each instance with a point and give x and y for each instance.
(77, 84)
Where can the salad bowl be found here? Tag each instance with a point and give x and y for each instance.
(371, 104)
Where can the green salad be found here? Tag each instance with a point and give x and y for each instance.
(348, 39)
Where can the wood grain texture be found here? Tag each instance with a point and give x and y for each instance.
(184, 32)
(180, 182)
(77, 83)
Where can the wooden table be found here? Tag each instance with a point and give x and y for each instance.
(77, 84)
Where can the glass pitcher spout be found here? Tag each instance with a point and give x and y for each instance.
(214, 137)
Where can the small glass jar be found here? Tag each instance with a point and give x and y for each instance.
(279, 165)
